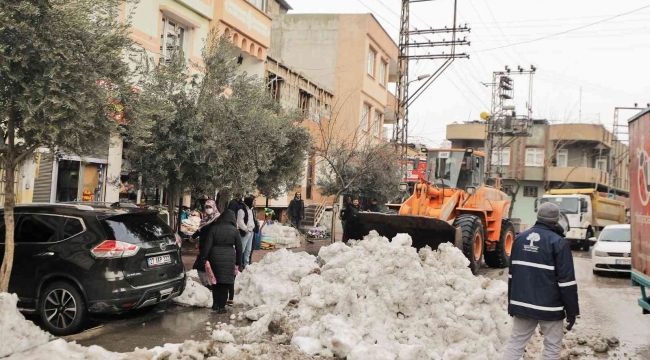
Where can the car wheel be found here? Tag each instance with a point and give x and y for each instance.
(473, 237)
(62, 309)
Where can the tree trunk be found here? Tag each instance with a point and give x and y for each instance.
(170, 209)
(334, 216)
(178, 218)
(10, 202)
(222, 205)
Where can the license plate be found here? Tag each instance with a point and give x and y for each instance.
(623, 261)
(159, 260)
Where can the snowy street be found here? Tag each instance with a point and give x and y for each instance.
(372, 300)
(608, 306)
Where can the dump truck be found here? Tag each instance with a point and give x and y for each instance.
(639, 132)
(588, 213)
(453, 203)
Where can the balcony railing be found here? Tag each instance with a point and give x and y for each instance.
(578, 175)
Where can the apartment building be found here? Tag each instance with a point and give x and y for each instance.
(352, 55)
(554, 156)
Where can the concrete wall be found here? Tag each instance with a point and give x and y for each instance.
(524, 207)
(308, 43)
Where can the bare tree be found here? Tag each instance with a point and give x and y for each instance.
(352, 159)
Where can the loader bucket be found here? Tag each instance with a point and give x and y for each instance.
(425, 231)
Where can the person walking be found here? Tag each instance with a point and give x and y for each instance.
(209, 216)
(208, 220)
(296, 210)
(246, 223)
(542, 288)
(217, 248)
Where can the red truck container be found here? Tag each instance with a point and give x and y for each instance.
(640, 204)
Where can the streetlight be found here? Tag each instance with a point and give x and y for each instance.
(420, 78)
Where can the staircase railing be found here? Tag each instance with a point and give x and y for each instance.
(320, 211)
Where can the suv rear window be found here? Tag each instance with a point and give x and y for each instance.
(136, 228)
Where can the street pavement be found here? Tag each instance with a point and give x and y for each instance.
(608, 306)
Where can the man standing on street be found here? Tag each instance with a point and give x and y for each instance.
(542, 286)
(296, 210)
(246, 223)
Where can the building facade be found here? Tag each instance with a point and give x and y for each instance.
(554, 156)
(352, 55)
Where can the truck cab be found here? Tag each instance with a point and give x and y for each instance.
(579, 211)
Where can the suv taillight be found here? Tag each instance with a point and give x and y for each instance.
(113, 249)
(179, 241)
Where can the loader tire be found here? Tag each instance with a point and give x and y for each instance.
(473, 237)
(500, 257)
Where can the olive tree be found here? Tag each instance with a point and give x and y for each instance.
(53, 55)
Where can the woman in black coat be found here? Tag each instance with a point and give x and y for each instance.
(222, 248)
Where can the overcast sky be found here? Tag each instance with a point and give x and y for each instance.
(610, 60)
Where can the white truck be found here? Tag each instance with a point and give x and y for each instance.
(588, 213)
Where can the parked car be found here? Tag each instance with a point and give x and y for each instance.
(74, 260)
(612, 252)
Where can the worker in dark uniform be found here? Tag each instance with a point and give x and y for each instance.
(542, 288)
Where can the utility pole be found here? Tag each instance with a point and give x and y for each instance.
(503, 122)
(404, 98)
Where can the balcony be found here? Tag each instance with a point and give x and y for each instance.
(581, 132)
(389, 116)
(472, 131)
(578, 175)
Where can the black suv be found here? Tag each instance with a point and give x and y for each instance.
(72, 260)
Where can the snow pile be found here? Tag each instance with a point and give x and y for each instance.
(284, 236)
(378, 300)
(18, 334)
(194, 294)
(274, 279)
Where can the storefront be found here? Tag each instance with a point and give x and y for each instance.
(63, 178)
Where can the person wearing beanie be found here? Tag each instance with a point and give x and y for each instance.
(542, 288)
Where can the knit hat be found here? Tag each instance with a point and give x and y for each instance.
(548, 213)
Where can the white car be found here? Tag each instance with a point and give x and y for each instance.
(613, 250)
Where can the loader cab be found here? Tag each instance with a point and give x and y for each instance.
(455, 168)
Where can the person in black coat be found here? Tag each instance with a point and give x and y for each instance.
(223, 250)
(296, 210)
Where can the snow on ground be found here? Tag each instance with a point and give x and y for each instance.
(379, 299)
(195, 294)
(274, 279)
(18, 334)
(374, 299)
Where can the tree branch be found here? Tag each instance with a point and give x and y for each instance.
(22, 155)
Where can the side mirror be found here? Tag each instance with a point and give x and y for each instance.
(403, 187)
(470, 190)
(536, 204)
(593, 239)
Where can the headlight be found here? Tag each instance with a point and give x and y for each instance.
(600, 253)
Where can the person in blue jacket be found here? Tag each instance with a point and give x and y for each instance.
(542, 288)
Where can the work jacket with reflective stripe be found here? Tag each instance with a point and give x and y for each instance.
(542, 282)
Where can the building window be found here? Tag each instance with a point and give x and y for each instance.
(530, 191)
(303, 101)
(535, 157)
(601, 163)
(260, 4)
(172, 37)
(376, 124)
(275, 83)
(364, 117)
(562, 158)
(372, 54)
(503, 154)
(382, 72)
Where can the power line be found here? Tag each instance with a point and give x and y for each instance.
(564, 32)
